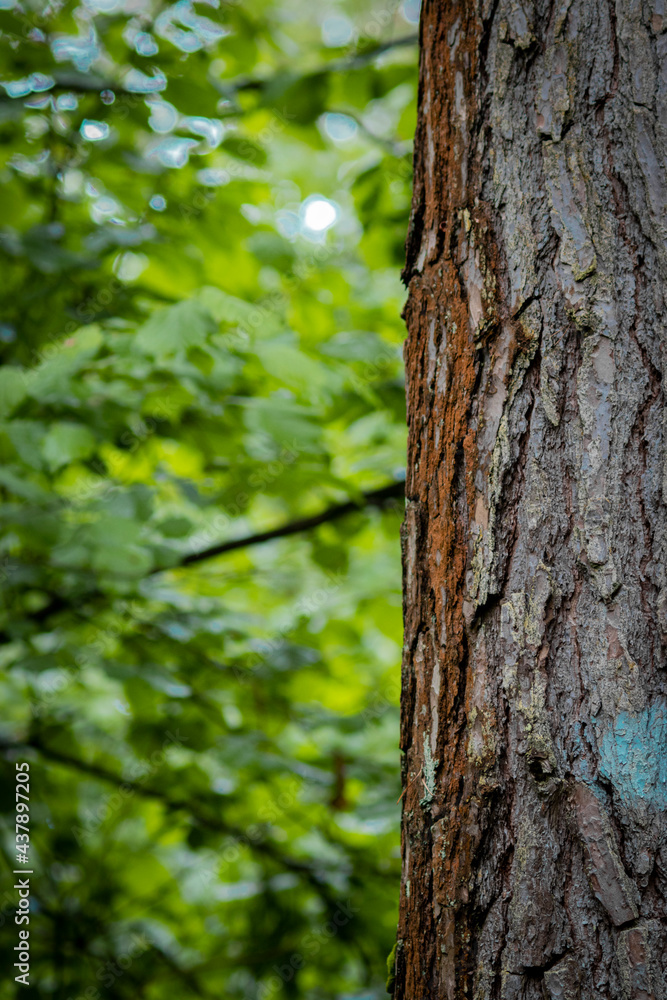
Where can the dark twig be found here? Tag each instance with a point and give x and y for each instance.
(375, 498)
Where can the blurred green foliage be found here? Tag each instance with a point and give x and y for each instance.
(203, 214)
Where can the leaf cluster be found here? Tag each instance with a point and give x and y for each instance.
(185, 361)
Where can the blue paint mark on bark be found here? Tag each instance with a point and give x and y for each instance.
(633, 755)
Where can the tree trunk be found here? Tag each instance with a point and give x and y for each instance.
(534, 720)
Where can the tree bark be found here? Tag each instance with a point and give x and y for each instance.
(534, 718)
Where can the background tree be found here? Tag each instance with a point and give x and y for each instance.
(534, 722)
(203, 211)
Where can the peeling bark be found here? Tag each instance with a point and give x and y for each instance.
(534, 719)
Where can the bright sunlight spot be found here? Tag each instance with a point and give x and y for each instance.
(94, 131)
(318, 214)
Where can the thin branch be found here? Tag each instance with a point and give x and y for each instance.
(377, 50)
(395, 147)
(375, 498)
(335, 66)
(263, 847)
(84, 83)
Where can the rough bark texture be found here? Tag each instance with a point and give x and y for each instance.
(534, 723)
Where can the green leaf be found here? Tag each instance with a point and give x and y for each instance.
(175, 329)
(225, 308)
(296, 368)
(244, 148)
(298, 99)
(62, 359)
(130, 561)
(65, 443)
(175, 527)
(12, 389)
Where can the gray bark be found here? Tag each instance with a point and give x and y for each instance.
(534, 719)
